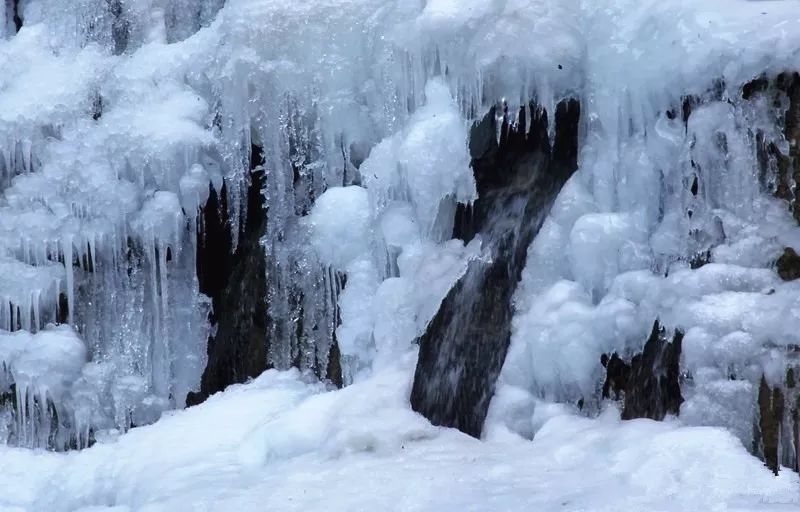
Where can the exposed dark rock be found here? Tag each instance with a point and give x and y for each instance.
(653, 387)
(13, 8)
(759, 84)
(771, 409)
(792, 134)
(796, 433)
(617, 374)
(62, 311)
(687, 106)
(334, 371)
(788, 265)
(700, 259)
(784, 90)
(236, 283)
(786, 94)
(97, 107)
(464, 346)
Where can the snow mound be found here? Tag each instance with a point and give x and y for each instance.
(282, 442)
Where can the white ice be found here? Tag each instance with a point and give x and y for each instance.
(283, 442)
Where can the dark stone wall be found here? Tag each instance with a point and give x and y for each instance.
(237, 285)
(464, 346)
(653, 387)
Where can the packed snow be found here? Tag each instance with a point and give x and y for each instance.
(284, 442)
(113, 126)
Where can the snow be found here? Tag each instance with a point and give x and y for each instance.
(282, 441)
(340, 225)
(425, 164)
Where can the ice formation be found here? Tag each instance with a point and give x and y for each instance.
(671, 216)
(119, 120)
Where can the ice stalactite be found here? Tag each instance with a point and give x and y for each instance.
(95, 231)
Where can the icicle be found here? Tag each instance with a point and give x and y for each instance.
(25, 313)
(66, 249)
(37, 321)
(164, 336)
(155, 305)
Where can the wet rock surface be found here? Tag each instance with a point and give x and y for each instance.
(237, 284)
(649, 386)
(617, 374)
(653, 386)
(788, 265)
(517, 177)
(776, 429)
(771, 411)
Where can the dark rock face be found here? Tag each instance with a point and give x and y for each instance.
(793, 396)
(649, 385)
(13, 11)
(788, 265)
(790, 84)
(653, 385)
(777, 425)
(617, 374)
(784, 91)
(237, 284)
(464, 346)
(771, 409)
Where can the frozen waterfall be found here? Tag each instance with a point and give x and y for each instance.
(193, 192)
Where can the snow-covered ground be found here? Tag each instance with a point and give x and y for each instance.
(283, 443)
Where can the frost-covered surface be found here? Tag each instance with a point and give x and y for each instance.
(42, 367)
(362, 108)
(652, 194)
(284, 443)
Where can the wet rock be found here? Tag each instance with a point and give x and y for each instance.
(14, 9)
(617, 376)
(97, 107)
(771, 410)
(758, 84)
(653, 387)
(791, 83)
(464, 346)
(786, 89)
(700, 259)
(788, 265)
(236, 284)
(688, 104)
